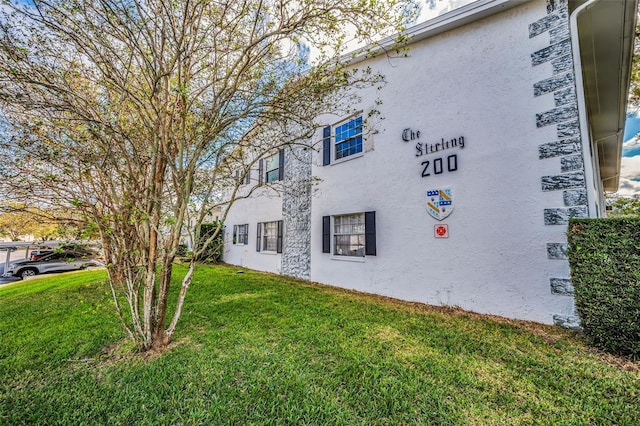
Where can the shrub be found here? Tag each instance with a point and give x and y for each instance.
(213, 252)
(604, 255)
(183, 250)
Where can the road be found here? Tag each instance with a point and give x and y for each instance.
(6, 280)
(16, 255)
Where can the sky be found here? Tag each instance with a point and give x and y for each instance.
(630, 170)
(434, 8)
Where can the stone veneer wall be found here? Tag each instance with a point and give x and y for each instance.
(296, 213)
(567, 145)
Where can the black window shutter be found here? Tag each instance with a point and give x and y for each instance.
(258, 236)
(326, 146)
(281, 164)
(247, 178)
(279, 240)
(235, 233)
(326, 234)
(370, 233)
(246, 235)
(260, 171)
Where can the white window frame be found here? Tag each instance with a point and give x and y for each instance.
(274, 159)
(351, 226)
(269, 233)
(244, 240)
(335, 142)
(266, 239)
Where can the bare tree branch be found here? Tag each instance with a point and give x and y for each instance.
(136, 114)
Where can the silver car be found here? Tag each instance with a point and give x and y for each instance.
(54, 262)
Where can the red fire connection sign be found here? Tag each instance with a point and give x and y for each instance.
(441, 231)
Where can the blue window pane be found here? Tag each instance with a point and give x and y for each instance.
(273, 175)
(348, 138)
(349, 147)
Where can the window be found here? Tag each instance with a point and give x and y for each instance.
(348, 235)
(241, 234)
(244, 180)
(353, 234)
(269, 237)
(347, 140)
(271, 169)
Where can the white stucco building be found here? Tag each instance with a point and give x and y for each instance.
(504, 122)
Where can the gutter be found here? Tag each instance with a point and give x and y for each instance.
(597, 183)
(456, 18)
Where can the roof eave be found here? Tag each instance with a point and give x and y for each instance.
(606, 33)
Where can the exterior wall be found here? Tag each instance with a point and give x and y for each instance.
(265, 205)
(476, 82)
(505, 84)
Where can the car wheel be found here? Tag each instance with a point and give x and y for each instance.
(28, 273)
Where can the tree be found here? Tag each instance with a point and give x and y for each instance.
(18, 222)
(634, 87)
(138, 113)
(624, 207)
(14, 223)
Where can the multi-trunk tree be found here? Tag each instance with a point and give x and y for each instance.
(138, 114)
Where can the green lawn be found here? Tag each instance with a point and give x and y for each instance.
(261, 349)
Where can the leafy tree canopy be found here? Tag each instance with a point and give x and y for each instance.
(634, 89)
(624, 207)
(19, 222)
(138, 113)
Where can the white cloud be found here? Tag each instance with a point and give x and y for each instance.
(629, 176)
(631, 147)
(630, 165)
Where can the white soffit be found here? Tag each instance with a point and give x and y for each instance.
(606, 31)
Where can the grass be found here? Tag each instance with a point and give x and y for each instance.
(256, 348)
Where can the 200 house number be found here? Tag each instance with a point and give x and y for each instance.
(438, 166)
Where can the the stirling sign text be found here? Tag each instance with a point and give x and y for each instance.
(444, 163)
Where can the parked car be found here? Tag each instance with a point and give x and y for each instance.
(59, 261)
(37, 254)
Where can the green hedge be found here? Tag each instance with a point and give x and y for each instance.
(604, 255)
(213, 252)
